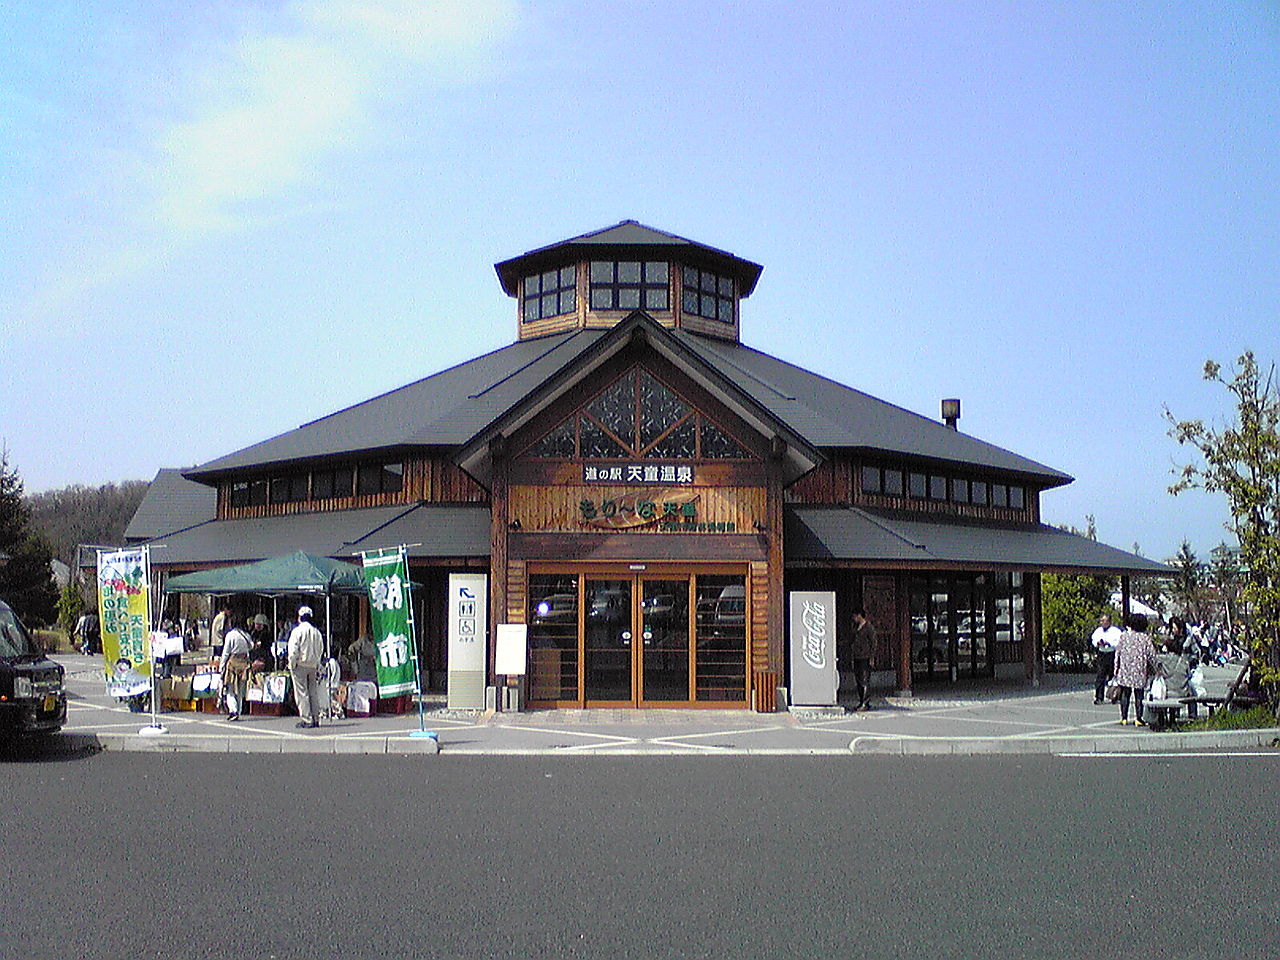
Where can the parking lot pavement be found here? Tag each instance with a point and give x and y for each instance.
(989, 717)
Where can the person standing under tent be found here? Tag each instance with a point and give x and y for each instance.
(235, 670)
(306, 651)
(261, 657)
(218, 629)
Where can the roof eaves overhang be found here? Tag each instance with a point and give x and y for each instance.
(1047, 479)
(336, 458)
(597, 246)
(798, 456)
(894, 540)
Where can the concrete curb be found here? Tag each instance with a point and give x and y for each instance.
(77, 744)
(185, 743)
(1135, 743)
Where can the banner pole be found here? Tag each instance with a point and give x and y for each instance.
(156, 728)
(413, 642)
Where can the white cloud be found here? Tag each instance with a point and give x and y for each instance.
(264, 112)
(279, 102)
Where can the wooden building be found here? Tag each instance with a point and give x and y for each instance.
(644, 490)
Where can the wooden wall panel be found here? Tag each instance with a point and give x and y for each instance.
(836, 481)
(429, 479)
(557, 509)
(517, 591)
(714, 328)
(615, 547)
(759, 591)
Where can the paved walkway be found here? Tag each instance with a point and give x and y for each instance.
(1058, 717)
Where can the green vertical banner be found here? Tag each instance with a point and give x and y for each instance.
(386, 576)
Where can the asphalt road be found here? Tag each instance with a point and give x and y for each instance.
(192, 856)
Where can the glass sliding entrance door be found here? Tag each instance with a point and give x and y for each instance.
(664, 634)
(608, 640)
(670, 637)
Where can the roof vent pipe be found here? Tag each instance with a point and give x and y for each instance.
(951, 411)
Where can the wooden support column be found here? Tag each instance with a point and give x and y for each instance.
(1126, 600)
(1032, 648)
(777, 598)
(500, 530)
(902, 593)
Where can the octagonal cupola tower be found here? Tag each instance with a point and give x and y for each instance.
(600, 278)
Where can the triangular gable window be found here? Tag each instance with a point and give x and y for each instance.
(637, 416)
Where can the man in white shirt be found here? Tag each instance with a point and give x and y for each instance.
(1104, 641)
(306, 650)
(235, 669)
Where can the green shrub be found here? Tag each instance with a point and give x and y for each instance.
(1251, 719)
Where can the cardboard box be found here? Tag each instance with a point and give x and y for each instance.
(175, 688)
(259, 709)
(394, 705)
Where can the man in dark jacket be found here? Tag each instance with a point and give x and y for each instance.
(861, 650)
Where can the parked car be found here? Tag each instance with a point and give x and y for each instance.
(32, 696)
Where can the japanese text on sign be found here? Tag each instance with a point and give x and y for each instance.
(638, 473)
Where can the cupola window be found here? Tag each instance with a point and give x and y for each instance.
(550, 294)
(630, 285)
(707, 295)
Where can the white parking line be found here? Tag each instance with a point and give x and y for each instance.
(1273, 754)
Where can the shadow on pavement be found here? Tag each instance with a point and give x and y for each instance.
(53, 748)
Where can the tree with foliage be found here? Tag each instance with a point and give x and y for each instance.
(25, 580)
(1224, 578)
(1241, 460)
(1188, 586)
(79, 514)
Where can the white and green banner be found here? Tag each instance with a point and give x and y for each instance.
(124, 593)
(386, 575)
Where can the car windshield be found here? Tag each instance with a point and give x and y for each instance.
(14, 639)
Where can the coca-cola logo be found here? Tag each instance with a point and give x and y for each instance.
(813, 646)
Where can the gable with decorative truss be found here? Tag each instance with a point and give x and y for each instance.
(638, 416)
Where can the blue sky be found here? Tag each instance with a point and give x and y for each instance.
(223, 220)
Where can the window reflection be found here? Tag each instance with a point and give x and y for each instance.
(553, 637)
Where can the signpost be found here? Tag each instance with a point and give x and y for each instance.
(468, 612)
(814, 679)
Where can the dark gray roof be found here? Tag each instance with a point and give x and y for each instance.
(449, 408)
(437, 531)
(852, 533)
(829, 414)
(445, 409)
(628, 240)
(171, 503)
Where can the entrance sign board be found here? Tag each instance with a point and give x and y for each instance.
(510, 648)
(814, 679)
(468, 611)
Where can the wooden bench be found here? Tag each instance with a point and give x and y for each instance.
(1162, 714)
(1215, 703)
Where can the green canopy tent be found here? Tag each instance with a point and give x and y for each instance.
(295, 573)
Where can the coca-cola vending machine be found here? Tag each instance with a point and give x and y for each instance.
(814, 680)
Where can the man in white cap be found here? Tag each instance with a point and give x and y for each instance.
(306, 650)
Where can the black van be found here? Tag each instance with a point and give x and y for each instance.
(32, 698)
